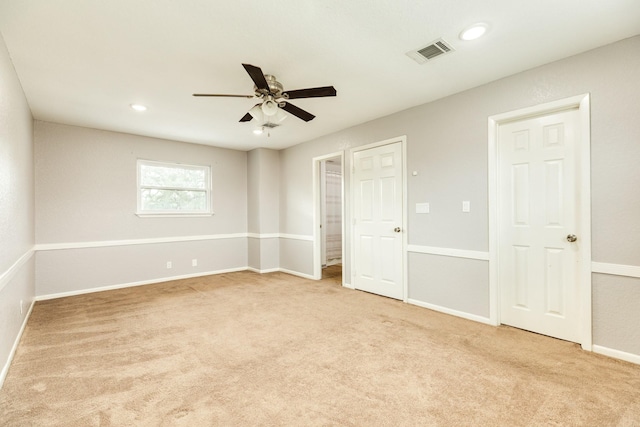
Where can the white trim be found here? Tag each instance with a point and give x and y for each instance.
(457, 253)
(536, 110)
(494, 294)
(296, 237)
(176, 239)
(263, 236)
(317, 235)
(7, 365)
(377, 144)
(617, 354)
(616, 269)
(297, 273)
(11, 272)
(348, 285)
(584, 228)
(450, 311)
(268, 270)
(405, 220)
(582, 103)
(402, 139)
(106, 243)
(134, 284)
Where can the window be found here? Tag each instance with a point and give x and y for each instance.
(173, 189)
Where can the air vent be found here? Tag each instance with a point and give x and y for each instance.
(431, 51)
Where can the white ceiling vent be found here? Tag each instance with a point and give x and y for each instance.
(431, 51)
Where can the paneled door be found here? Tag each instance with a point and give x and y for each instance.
(377, 182)
(538, 251)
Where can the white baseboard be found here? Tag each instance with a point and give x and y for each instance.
(297, 273)
(132, 284)
(281, 270)
(617, 354)
(450, 311)
(166, 279)
(5, 368)
(268, 270)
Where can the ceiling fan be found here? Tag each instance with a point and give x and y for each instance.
(273, 97)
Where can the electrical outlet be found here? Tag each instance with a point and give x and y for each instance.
(194, 262)
(169, 264)
(422, 208)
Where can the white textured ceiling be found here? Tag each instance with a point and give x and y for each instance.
(82, 62)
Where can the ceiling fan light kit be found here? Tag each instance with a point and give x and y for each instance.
(256, 112)
(274, 99)
(269, 107)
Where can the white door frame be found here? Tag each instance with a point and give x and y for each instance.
(583, 155)
(317, 236)
(403, 144)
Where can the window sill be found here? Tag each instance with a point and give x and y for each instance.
(173, 215)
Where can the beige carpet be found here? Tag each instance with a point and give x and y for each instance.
(245, 349)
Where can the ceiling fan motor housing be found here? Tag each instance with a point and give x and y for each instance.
(275, 87)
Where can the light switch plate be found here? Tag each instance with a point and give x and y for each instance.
(466, 206)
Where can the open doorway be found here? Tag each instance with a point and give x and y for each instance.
(329, 217)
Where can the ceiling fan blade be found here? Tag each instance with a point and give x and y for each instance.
(298, 112)
(257, 76)
(315, 92)
(221, 94)
(250, 115)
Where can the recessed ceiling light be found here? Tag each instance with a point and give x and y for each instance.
(257, 131)
(474, 31)
(138, 107)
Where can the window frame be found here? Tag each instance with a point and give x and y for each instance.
(173, 213)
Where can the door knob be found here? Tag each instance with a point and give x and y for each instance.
(572, 238)
(397, 229)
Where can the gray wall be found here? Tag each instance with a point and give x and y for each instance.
(86, 196)
(16, 208)
(615, 312)
(86, 186)
(263, 197)
(447, 145)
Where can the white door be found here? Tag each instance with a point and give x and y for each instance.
(538, 207)
(378, 220)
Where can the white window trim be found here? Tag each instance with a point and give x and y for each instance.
(174, 214)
